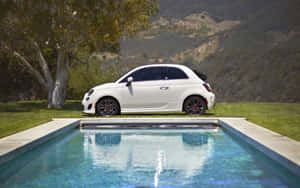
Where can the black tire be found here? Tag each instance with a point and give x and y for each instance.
(194, 105)
(107, 107)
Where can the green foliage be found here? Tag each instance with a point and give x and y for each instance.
(16, 83)
(84, 77)
(70, 24)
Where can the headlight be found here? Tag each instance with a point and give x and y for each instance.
(91, 91)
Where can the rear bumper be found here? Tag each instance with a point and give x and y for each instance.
(211, 101)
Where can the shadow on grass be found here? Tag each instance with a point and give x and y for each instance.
(35, 106)
(22, 106)
(156, 114)
(179, 114)
(72, 106)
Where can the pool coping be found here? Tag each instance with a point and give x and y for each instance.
(14, 145)
(280, 148)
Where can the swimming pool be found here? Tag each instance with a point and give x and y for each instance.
(145, 158)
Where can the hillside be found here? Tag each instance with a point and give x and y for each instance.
(248, 48)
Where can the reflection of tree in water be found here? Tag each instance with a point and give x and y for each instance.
(108, 139)
(194, 139)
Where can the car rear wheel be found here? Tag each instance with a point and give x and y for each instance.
(107, 107)
(194, 105)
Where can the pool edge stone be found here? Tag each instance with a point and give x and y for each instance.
(29, 139)
(281, 149)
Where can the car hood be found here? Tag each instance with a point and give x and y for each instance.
(105, 86)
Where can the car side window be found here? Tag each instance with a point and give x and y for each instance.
(148, 74)
(175, 73)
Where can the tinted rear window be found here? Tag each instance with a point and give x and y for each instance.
(175, 73)
(201, 75)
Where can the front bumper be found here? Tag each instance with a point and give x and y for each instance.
(88, 105)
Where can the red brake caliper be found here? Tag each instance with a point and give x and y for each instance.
(107, 108)
(195, 108)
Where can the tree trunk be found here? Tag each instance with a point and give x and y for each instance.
(56, 91)
(50, 93)
(59, 91)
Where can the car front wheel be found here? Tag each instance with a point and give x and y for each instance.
(107, 107)
(194, 105)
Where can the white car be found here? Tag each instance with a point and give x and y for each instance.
(152, 88)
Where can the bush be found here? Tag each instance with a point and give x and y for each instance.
(85, 76)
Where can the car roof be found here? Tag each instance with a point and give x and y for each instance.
(186, 69)
(162, 65)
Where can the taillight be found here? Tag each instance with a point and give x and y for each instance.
(207, 86)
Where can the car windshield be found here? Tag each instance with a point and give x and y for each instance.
(121, 76)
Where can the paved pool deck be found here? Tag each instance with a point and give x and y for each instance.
(280, 148)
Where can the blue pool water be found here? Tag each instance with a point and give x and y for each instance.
(146, 158)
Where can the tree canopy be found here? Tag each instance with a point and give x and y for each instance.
(50, 33)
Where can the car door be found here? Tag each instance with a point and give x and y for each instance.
(147, 92)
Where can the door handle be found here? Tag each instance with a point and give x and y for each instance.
(164, 88)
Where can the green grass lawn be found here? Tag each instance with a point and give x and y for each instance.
(283, 118)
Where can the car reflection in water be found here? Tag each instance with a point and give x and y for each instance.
(155, 150)
(195, 139)
(108, 139)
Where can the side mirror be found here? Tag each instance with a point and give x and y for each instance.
(129, 81)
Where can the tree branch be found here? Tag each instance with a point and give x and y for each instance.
(43, 64)
(31, 69)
